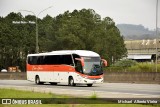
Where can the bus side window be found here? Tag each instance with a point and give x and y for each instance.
(30, 60)
(48, 60)
(34, 60)
(52, 59)
(39, 60)
(75, 56)
(67, 59)
(78, 65)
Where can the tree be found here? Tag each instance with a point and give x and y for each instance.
(84, 29)
(16, 41)
(80, 29)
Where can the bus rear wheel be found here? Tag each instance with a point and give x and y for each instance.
(71, 81)
(89, 85)
(37, 80)
(53, 83)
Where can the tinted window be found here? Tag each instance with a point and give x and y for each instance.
(75, 56)
(92, 59)
(40, 60)
(32, 60)
(50, 59)
(78, 65)
(29, 60)
(67, 59)
(35, 60)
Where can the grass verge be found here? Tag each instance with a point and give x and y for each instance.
(11, 93)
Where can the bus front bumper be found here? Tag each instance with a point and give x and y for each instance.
(92, 81)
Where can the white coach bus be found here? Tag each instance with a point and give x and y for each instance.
(72, 67)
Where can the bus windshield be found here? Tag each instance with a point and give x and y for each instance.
(92, 66)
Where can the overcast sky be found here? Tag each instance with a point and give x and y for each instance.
(121, 11)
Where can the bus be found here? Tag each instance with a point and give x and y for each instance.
(66, 66)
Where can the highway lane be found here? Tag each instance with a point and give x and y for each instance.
(103, 90)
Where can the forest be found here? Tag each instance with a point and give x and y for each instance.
(77, 30)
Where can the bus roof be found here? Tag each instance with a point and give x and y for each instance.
(66, 52)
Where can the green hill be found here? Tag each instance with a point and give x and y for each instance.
(136, 32)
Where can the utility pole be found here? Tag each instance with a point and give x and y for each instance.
(37, 41)
(156, 34)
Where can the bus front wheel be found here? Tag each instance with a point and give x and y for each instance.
(71, 81)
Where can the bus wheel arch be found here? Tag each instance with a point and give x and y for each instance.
(71, 81)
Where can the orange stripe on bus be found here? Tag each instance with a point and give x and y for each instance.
(50, 68)
(57, 68)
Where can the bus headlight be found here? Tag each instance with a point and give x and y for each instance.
(84, 70)
(101, 76)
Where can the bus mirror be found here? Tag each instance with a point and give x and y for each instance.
(104, 62)
(81, 60)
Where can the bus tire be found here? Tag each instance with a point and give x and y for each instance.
(89, 85)
(71, 81)
(53, 83)
(37, 80)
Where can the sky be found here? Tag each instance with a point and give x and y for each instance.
(121, 11)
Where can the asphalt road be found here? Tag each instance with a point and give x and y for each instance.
(105, 90)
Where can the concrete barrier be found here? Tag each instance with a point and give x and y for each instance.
(113, 77)
(13, 76)
(132, 77)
